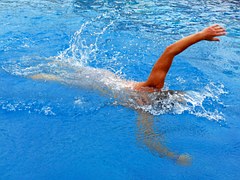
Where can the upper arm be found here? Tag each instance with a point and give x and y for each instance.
(160, 69)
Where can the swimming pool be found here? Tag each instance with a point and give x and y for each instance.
(58, 131)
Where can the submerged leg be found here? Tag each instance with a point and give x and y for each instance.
(49, 77)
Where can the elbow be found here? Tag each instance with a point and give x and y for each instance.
(171, 50)
(157, 80)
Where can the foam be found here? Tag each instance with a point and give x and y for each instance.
(71, 67)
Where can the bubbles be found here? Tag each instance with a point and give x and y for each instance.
(78, 101)
(203, 104)
(87, 47)
(30, 107)
(83, 47)
(47, 111)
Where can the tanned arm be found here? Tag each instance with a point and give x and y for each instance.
(160, 69)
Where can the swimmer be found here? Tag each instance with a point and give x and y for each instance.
(106, 81)
(155, 82)
(135, 94)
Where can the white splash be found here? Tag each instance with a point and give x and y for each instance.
(71, 67)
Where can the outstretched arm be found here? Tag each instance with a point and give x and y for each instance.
(162, 66)
(147, 135)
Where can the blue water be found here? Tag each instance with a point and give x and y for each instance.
(51, 130)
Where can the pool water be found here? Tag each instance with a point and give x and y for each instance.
(52, 130)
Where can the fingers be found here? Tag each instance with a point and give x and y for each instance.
(215, 39)
(211, 32)
(217, 27)
(219, 31)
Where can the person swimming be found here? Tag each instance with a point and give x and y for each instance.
(131, 92)
(139, 95)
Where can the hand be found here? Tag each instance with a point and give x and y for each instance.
(210, 32)
(184, 160)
